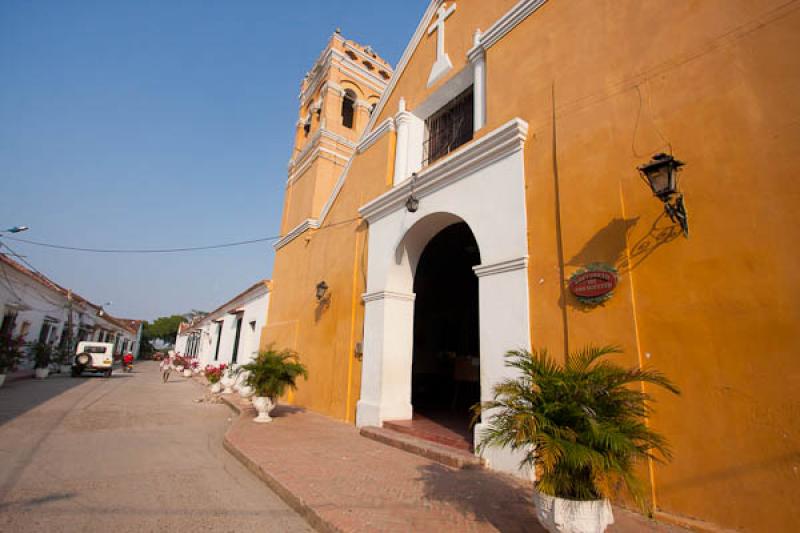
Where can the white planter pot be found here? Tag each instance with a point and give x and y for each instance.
(187, 372)
(227, 384)
(245, 391)
(66, 369)
(264, 406)
(41, 373)
(216, 387)
(179, 368)
(558, 515)
(2, 379)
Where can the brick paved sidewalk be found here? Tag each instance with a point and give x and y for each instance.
(341, 481)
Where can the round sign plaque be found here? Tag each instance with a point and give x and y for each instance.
(593, 284)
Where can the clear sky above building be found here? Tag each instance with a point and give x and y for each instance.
(161, 124)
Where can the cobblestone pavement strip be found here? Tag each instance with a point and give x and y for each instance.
(125, 454)
(341, 481)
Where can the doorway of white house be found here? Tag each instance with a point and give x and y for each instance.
(445, 378)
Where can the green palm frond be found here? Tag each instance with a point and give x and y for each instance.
(581, 424)
(273, 371)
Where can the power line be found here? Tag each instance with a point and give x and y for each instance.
(165, 250)
(143, 250)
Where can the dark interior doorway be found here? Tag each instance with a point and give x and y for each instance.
(445, 379)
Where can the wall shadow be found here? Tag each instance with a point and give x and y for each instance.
(20, 396)
(608, 246)
(502, 501)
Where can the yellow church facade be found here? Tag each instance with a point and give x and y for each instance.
(441, 213)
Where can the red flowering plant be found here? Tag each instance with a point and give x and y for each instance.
(195, 364)
(214, 373)
(179, 360)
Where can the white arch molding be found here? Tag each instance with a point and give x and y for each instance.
(482, 185)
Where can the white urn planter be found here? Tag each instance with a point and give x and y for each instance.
(41, 373)
(2, 379)
(246, 391)
(179, 368)
(227, 383)
(216, 387)
(559, 515)
(187, 372)
(264, 405)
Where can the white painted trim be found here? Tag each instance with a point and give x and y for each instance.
(509, 265)
(308, 161)
(309, 223)
(404, 59)
(313, 143)
(499, 143)
(387, 295)
(384, 127)
(505, 24)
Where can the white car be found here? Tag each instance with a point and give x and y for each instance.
(93, 357)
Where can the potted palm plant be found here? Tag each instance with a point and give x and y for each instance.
(581, 426)
(42, 357)
(269, 375)
(10, 354)
(62, 357)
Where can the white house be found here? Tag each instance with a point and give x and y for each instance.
(229, 334)
(38, 309)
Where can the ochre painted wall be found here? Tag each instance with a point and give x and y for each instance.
(604, 85)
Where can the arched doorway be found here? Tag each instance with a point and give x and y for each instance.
(445, 379)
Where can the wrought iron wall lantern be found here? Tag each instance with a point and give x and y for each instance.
(661, 174)
(322, 289)
(412, 204)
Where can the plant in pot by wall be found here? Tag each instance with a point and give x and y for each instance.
(179, 363)
(10, 354)
(228, 379)
(42, 357)
(62, 356)
(581, 426)
(213, 374)
(270, 373)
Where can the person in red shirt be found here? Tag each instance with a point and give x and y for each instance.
(127, 361)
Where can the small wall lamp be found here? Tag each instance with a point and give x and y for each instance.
(322, 288)
(412, 204)
(661, 174)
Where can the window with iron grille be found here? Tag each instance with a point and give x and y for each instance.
(448, 128)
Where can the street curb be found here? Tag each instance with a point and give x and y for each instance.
(293, 501)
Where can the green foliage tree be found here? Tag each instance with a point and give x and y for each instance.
(164, 328)
(42, 354)
(580, 424)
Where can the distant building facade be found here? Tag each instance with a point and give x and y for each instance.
(230, 334)
(39, 310)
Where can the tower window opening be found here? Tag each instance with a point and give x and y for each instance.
(348, 108)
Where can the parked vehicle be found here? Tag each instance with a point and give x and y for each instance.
(97, 357)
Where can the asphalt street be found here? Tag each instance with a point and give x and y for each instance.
(126, 453)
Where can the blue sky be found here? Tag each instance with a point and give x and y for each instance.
(164, 123)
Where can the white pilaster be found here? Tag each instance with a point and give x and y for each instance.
(388, 352)
(477, 57)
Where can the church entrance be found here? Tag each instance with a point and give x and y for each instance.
(445, 380)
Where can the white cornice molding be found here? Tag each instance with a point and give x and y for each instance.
(404, 59)
(503, 25)
(312, 144)
(309, 223)
(315, 154)
(509, 265)
(387, 295)
(502, 142)
(384, 127)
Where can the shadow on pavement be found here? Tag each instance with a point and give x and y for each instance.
(35, 502)
(20, 396)
(488, 497)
